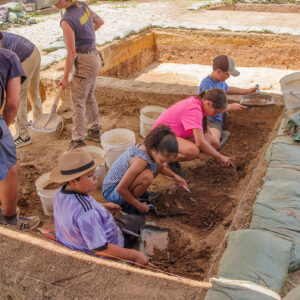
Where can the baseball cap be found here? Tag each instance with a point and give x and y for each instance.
(226, 64)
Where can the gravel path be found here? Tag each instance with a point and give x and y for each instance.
(118, 16)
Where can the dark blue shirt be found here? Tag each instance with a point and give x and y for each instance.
(80, 20)
(10, 67)
(208, 83)
(17, 44)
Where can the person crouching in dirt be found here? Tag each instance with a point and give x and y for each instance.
(188, 120)
(79, 24)
(12, 75)
(129, 177)
(30, 58)
(223, 68)
(81, 223)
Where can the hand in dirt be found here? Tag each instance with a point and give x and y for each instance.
(227, 161)
(141, 259)
(113, 208)
(252, 90)
(143, 208)
(64, 83)
(180, 181)
(237, 107)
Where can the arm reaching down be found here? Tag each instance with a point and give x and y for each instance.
(114, 251)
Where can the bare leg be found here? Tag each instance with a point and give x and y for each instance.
(187, 150)
(213, 137)
(9, 191)
(141, 183)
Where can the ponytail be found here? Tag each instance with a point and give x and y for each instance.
(218, 99)
(216, 96)
(163, 140)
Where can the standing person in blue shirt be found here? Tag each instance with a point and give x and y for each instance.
(30, 58)
(12, 75)
(223, 67)
(79, 24)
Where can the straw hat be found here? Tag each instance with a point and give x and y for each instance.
(73, 164)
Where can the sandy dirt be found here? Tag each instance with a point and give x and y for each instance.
(196, 228)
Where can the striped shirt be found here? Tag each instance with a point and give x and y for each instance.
(121, 165)
(81, 223)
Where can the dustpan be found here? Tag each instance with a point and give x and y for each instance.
(49, 122)
(257, 99)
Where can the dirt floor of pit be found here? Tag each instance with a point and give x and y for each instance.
(196, 234)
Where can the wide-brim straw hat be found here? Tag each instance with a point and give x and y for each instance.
(73, 164)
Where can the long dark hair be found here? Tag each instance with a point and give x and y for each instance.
(163, 140)
(218, 99)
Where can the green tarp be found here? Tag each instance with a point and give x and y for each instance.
(257, 256)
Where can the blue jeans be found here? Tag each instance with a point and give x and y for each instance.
(8, 156)
(111, 195)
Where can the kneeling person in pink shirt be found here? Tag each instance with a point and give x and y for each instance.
(188, 120)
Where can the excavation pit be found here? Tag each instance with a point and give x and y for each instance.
(124, 87)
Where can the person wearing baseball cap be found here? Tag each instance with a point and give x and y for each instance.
(81, 223)
(223, 68)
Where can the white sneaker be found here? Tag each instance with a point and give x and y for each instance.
(19, 142)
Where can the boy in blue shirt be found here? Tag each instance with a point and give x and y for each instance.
(223, 67)
(81, 223)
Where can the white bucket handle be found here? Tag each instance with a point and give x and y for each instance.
(107, 151)
(291, 93)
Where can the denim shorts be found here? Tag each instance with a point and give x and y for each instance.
(111, 195)
(8, 156)
(213, 123)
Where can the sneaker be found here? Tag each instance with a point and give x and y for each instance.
(224, 138)
(175, 167)
(93, 135)
(22, 222)
(19, 142)
(149, 196)
(76, 144)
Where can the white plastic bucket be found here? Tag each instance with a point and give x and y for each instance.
(97, 152)
(290, 88)
(148, 116)
(115, 142)
(46, 196)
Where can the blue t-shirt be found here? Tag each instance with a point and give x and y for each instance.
(80, 20)
(208, 83)
(81, 223)
(17, 44)
(10, 67)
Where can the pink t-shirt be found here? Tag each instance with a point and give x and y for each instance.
(182, 117)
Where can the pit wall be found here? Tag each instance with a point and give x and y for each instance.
(28, 271)
(132, 54)
(248, 49)
(265, 253)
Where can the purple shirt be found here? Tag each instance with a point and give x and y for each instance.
(81, 223)
(17, 44)
(80, 20)
(10, 67)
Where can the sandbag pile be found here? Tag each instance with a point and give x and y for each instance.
(12, 14)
